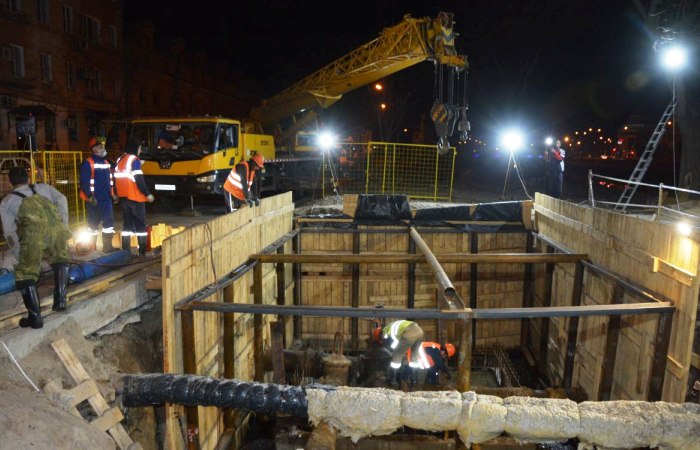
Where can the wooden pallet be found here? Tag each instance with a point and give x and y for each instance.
(108, 419)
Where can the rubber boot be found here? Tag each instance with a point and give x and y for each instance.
(60, 286)
(142, 244)
(126, 243)
(107, 246)
(31, 302)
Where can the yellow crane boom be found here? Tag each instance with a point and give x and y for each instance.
(398, 47)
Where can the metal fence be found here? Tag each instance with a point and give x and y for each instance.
(389, 168)
(60, 169)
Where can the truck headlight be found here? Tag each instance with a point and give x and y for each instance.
(206, 179)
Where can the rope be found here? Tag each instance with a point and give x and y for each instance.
(12, 357)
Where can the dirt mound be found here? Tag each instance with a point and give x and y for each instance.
(29, 420)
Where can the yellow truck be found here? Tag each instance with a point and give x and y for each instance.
(194, 155)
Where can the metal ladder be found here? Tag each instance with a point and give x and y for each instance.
(645, 160)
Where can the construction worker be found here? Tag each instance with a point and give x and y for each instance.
(554, 157)
(97, 190)
(35, 220)
(241, 186)
(437, 356)
(133, 194)
(398, 337)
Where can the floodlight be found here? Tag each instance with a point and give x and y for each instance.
(684, 228)
(512, 140)
(549, 140)
(326, 140)
(674, 57)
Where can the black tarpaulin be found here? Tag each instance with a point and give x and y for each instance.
(385, 208)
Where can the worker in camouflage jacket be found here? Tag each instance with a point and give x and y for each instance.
(33, 211)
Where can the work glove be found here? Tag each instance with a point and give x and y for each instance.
(257, 202)
(249, 203)
(92, 200)
(150, 198)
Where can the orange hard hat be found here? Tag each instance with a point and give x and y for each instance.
(258, 159)
(92, 142)
(450, 349)
(377, 335)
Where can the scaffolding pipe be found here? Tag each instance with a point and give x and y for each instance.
(448, 290)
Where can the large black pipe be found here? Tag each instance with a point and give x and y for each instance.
(192, 390)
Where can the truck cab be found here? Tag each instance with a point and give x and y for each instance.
(194, 155)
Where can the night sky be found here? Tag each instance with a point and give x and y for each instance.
(548, 66)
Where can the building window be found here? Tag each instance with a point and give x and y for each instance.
(72, 125)
(67, 19)
(114, 84)
(113, 36)
(92, 30)
(94, 80)
(70, 75)
(14, 6)
(43, 11)
(50, 128)
(46, 68)
(17, 58)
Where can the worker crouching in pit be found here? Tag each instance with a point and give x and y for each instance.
(397, 338)
(437, 357)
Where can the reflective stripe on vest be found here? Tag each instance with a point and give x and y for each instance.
(126, 181)
(234, 184)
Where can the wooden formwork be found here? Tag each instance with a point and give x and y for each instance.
(652, 255)
(217, 345)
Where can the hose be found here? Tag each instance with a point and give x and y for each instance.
(193, 390)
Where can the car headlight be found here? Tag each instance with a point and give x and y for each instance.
(207, 179)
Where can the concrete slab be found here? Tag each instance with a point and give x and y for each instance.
(90, 316)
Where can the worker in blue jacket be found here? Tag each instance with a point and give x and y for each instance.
(97, 190)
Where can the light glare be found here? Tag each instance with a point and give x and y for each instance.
(512, 140)
(674, 58)
(684, 228)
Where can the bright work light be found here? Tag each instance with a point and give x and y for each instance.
(512, 140)
(549, 140)
(326, 140)
(674, 57)
(684, 228)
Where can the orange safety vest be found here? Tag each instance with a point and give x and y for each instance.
(91, 161)
(431, 363)
(126, 183)
(233, 183)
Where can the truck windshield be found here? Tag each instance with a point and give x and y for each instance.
(174, 140)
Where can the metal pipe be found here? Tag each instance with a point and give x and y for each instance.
(448, 290)
(403, 258)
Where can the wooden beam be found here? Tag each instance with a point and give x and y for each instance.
(277, 331)
(473, 277)
(544, 331)
(610, 352)
(281, 282)
(411, 302)
(296, 271)
(658, 363)
(464, 368)
(189, 363)
(355, 294)
(528, 280)
(258, 324)
(576, 296)
(398, 258)
(229, 352)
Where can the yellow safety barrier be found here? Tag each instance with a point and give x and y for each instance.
(60, 169)
(391, 168)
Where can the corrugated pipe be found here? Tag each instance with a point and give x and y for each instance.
(192, 390)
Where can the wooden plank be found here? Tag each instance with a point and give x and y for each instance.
(82, 392)
(296, 269)
(229, 350)
(411, 275)
(610, 351)
(355, 294)
(54, 390)
(528, 283)
(464, 362)
(544, 330)
(258, 324)
(576, 296)
(190, 366)
(109, 419)
(658, 363)
(473, 277)
(277, 330)
(695, 360)
(98, 403)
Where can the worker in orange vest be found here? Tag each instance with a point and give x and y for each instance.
(241, 186)
(97, 190)
(133, 195)
(437, 356)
